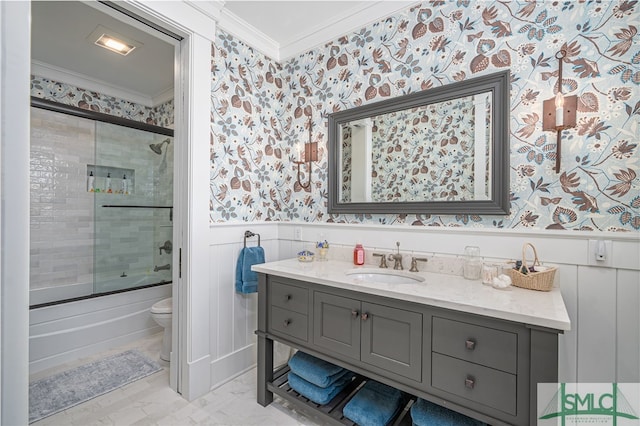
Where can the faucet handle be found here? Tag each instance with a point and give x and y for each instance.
(414, 263)
(383, 259)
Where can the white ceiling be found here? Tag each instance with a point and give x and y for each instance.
(279, 29)
(59, 46)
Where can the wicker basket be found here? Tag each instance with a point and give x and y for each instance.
(541, 281)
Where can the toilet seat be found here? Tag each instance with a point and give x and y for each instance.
(164, 306)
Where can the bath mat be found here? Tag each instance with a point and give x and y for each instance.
(64, 390)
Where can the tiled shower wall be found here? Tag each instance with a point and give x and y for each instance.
(61, 208)
(63, 228)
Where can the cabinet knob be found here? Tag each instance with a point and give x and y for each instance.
(469, 382)
(287, 298)
(365, 316)
(287, 322)
(355, 314)
(470, 344)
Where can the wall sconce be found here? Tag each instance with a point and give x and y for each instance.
(559, 113)
(310, 155)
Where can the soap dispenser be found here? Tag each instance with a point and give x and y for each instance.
(91, 180)
(358, 255)
(107, 186)
(125, 185)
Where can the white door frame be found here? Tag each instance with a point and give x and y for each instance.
(190, 360)
(191, 200)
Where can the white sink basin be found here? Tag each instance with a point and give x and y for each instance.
(387, 276)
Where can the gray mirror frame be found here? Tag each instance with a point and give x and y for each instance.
(499, 84)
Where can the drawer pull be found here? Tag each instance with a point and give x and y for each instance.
(287, 322)
(365, 316)
(470, 344)
(287, 298)
(355, 314)
(469, 382)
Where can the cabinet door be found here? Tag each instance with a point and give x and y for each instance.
(336, 324)
(392, 340)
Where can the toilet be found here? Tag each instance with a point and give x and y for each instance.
(161, 314)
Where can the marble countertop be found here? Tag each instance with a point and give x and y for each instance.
(538, 308)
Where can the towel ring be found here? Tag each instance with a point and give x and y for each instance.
(249, 234)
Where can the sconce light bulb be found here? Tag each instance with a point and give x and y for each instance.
(559, 110)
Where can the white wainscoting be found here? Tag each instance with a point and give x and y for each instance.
(68, 331)
(603, 302)
(234, 316)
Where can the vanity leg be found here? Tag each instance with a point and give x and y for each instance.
(543, 367)
(265, 346)
(265, 370)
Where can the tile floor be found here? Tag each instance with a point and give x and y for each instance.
(150, 401)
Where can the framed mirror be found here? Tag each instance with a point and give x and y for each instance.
(444, 150)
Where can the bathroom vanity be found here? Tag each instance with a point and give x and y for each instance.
(472, 348)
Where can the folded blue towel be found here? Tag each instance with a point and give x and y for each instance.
(246, 279)
(315, 370)
(425, 413)
(315, 393)
(374, 405)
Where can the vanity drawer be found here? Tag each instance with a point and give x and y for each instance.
(289, 297)
(288, 322)
(486, 386)
(482, 345)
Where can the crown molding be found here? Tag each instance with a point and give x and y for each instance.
(212, 8)
(86, 82)
(353, 20)
(163, 97)
(317, 35)
(250, 35)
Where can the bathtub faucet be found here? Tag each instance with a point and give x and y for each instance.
(167, 247)
(162, 268)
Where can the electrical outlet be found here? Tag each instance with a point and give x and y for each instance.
(297, 233)
(600, 252)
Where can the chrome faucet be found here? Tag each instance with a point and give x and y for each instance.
(167, 247)
(162, 268)
(397, 258)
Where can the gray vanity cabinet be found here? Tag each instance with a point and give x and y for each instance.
(484, 367)
(382, 336)
(336, 324)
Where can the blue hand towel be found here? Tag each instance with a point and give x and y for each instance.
(315, 370)
(375, 404)
(315, 393)
(246, 279)
(425, 413)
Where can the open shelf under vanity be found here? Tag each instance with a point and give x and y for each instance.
(330, 413)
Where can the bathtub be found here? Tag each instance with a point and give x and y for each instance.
(65, 332)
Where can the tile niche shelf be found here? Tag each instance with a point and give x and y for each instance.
(117, 175)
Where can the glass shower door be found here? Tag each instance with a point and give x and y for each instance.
(132, 181)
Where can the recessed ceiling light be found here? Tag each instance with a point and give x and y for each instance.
(112, 41)
(115, 45)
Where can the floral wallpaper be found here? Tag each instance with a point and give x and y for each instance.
(426, 152)
(44, 88)
(261, 109)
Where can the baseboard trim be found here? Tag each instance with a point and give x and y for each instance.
(235, 364)
(197, 378)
